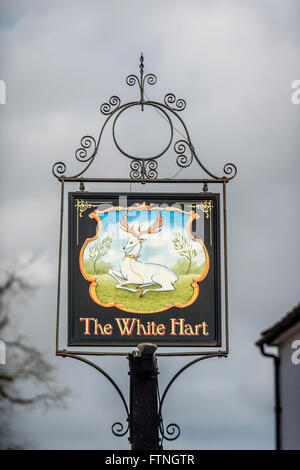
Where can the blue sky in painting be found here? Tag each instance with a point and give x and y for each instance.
(157, 247)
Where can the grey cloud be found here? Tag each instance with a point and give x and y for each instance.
(234, 64)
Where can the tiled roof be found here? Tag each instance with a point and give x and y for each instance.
(280, 327)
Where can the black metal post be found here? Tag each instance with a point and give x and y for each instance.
(144, 418)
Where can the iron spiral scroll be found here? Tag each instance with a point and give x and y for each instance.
(141, 168)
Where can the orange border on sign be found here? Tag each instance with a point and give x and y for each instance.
(93, 281)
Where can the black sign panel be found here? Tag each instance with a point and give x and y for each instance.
(144, 268)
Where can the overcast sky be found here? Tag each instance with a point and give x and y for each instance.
(234, 63)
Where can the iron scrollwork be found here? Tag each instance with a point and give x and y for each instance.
(230, 169)
(119, 430)
(110, 107)
(143, 167)
(150, 79)
(170, 99)
(171, 433)
(58, 169)
(141, 158)
(181, 147)
(87, 142)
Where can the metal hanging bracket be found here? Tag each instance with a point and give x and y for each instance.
(144, 170)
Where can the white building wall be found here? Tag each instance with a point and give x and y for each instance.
(290, 392)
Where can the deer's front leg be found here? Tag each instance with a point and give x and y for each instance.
(116, 275)
(146, 285)
(121, 280)
(123, 284)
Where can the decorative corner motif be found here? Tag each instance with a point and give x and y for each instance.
(81, 207)
(206, 207)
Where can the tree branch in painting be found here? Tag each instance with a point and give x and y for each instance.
(185, 250)
(99, 250)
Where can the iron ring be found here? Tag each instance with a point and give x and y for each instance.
(135, 157)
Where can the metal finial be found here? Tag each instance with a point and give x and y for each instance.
(81, 186)
(142, 63)
(142, 81)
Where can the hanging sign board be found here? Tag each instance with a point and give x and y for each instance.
(144, 268)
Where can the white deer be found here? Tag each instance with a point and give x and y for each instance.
(133, 271)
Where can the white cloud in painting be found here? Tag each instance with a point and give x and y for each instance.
(156, 248)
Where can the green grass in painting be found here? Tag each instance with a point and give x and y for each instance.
(107, 293)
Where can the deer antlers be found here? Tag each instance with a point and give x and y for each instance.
(126, 227)
(154, 228)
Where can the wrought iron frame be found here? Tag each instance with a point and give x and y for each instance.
(144, 170)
